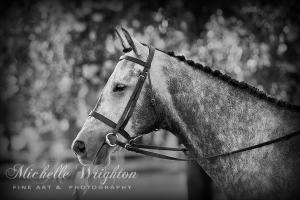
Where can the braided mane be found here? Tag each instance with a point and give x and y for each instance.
(241, 85)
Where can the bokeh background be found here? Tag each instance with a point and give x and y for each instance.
(57, 55)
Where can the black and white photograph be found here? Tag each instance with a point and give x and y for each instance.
(160, 99)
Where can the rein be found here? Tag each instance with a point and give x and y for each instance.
(111, 138)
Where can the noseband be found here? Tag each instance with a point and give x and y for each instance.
(112, 138)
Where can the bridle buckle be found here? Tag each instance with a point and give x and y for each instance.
(127, 146)
(107, 140)
(133, 139)
(142, 76)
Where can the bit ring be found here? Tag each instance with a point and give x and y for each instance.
(108, 141)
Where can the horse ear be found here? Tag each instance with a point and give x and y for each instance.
(123, 40)
(130, 41)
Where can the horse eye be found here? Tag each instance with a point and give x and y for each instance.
(119, 88)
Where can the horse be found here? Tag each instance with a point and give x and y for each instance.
(245, 140)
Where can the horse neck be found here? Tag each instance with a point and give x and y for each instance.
(212, 117)
(215, 117)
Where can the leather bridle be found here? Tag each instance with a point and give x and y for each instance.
(112, 138)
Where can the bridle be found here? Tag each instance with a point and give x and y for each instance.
(111, 138)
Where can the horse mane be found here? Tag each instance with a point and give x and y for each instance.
(238, 84)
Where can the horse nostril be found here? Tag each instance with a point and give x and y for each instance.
(79, 147)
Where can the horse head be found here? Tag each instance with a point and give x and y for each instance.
(91, 145)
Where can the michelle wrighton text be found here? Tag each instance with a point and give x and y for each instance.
(64, 171)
